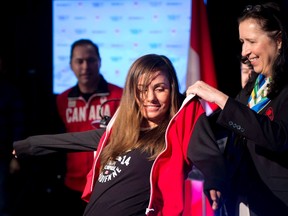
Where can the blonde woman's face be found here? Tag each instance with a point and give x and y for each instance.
(155, 99)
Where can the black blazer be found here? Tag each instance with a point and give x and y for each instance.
(256, 153)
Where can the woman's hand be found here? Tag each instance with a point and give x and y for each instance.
(216, 199)
(208, 93)
(14, 153)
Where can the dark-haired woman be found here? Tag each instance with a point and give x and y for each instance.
(257, 120)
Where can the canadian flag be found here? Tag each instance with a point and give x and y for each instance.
(200, 67)
(200, 58)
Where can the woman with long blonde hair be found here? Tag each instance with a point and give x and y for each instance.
(146, 151)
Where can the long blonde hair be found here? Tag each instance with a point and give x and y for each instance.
(125, 133)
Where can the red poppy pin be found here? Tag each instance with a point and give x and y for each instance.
(269, 112)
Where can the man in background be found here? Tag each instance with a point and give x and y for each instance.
(246, 72)
(88, 101)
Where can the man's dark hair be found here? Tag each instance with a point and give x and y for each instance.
(84, 42)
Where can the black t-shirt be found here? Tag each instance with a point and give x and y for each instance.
(123, 188)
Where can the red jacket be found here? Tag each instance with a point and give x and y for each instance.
(172, 166)
(77, 115)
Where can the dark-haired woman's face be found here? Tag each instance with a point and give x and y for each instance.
(260, 48)
(154, 99)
